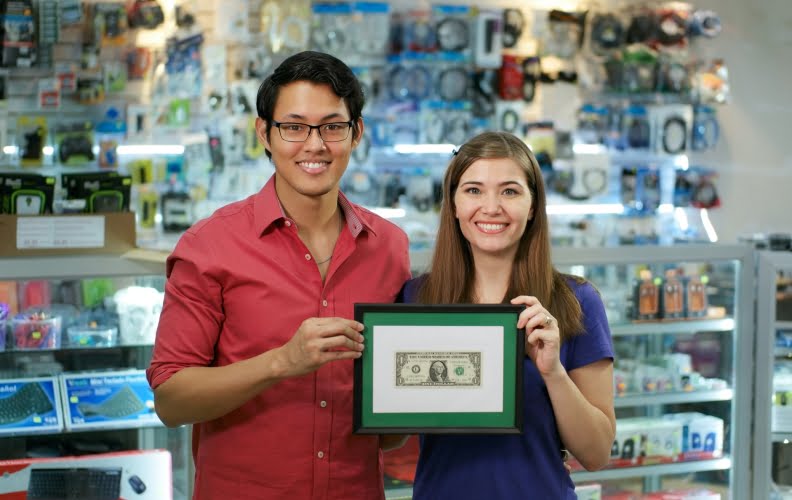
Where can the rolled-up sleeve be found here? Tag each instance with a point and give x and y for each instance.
(192, 314)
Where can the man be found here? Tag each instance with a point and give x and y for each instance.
(438, 372)
(254, 344)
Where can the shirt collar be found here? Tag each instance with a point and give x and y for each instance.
(268, 211)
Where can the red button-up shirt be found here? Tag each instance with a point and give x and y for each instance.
(240, 283)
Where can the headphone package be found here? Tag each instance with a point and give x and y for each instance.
(454, 31)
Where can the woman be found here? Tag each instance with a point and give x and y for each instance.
(493, 247)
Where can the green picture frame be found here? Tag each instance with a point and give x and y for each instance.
(399, 382)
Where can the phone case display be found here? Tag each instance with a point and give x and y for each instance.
(681, 333)
(29, 406)
(95, 383)
(773, 409)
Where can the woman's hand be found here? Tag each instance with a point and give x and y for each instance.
(542, 337)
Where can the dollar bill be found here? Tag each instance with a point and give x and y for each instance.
(438, 368)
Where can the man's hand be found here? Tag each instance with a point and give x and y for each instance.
(319, 341)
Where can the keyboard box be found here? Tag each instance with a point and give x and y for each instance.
(107, 400)
(30, 406)
(139, 475)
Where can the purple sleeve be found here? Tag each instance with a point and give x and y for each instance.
(595, 342)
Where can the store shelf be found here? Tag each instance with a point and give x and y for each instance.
(783, 325)
(76, 266)
(73, 349)
(673, 398)
(684, 326)
(654, 470)
(782, 437)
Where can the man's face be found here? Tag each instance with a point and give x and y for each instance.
(311, 168)
(438, 368)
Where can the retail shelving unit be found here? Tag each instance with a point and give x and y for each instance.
(58, 268)
(731, 288)
(767, 433)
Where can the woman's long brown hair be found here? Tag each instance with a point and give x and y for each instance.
(451, 276)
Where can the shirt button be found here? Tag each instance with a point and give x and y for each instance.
(323, 404)
(320, 454)
(324, 303)
(307, 256)
(288, 223)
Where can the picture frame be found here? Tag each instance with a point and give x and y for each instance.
(441, 369)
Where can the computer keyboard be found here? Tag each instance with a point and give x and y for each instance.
(30, 399)
(121, 404)
(92, 483)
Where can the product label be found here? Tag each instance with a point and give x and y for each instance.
(60, 232)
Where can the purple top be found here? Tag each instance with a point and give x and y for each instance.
(527, 465)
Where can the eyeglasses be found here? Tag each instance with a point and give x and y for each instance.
(300, 132)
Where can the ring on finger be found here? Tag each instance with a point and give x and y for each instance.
(548, 320)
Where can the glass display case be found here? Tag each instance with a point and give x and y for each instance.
(773, 407)
(681, 319)
(72, 321)
(682, 325)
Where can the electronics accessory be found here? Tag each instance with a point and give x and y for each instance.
(510, 81)
(145, 14)
(488, 39)
(330, 26)
(607, 33)
(513, 24)
(566, 32)
(705, 130)
(418, 32)
(642, 28)
(671, 28)
(674, 135)
(637, 130)
(409, 82)
(453, 34)
(531, 74)
(484, 92)
(452, 84)
(704, 23)
(137, 484)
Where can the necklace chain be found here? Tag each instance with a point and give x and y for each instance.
(340, 228)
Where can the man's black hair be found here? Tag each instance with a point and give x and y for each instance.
(315, 67)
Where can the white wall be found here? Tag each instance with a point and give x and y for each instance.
(754, 156)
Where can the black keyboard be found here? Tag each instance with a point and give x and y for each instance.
(28, 400)
(75, 484)
(121, 404)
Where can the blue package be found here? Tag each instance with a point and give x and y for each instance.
(108, 400)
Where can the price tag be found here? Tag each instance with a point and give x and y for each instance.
(60, 232)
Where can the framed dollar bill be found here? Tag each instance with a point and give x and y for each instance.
(439, 369)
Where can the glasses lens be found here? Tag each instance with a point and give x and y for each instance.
(333, 132)
(294, 131)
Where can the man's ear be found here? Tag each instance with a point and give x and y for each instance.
(360, 128)
(261, 133)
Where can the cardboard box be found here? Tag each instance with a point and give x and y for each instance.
(142, 475)
(35, 235)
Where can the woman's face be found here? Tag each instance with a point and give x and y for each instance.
(493, 205)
